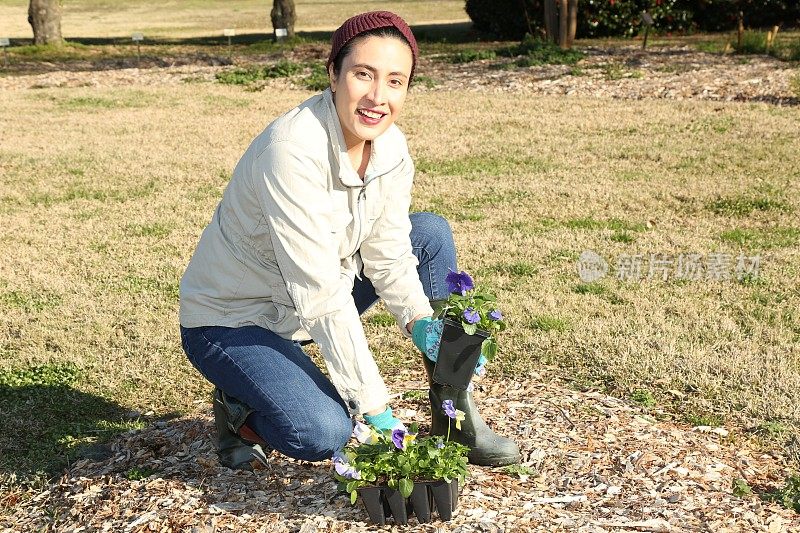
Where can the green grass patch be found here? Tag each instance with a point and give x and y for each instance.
(91, 102)
(318, 79)
(704, 419)
(269, 45)
(167, 288)
(535, 52)
(771, 428)
(382, 320)
(615, 224)
(517, 269)
(741, 488)
(794, 84)
(744, 205)
(599, 290)
(623, 237)
(518, 470)
(762, 239)
(30, 301)
(282, 69)
(480, 165)
(468, 56)
(50, 375)
(81, 192)
(643, 397)
(615, 71)
(147, 230)
(753, 42)
(139, 473)
(548, 323)
(415, 395)
(788, 495)
(48, 421)
(425, 81)
(48, 52)
(590, 288)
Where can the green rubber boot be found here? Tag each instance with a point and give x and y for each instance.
(487, 448)
(233, 450)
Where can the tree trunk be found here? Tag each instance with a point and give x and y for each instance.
(551, 20)
(283, 16)
(562, 23)
(573, 22)
(44, 16)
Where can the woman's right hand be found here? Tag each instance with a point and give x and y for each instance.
(384, 421)
(427, 335)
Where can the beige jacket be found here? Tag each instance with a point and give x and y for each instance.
(293, 228)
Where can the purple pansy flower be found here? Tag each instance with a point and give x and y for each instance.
(449, 408)
(440, 445)
(347, 471)
(459, 282)
(496, 315)
(471, 316)
(398, 438)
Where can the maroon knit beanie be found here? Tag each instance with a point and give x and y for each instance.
(359, 24)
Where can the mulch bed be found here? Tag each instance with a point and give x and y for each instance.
(673, 73)
(593, 463)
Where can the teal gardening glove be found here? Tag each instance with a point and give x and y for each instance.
(384, 421)
(427, 336)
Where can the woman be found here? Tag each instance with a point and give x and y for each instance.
(312, 229)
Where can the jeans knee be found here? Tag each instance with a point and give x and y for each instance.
(432, 228)
(323, 437)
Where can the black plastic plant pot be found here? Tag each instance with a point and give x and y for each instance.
(458, 354)
(426, 497)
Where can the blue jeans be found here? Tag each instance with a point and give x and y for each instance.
(297, 409)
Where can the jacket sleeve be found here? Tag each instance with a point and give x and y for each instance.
(292, 190)
(388, 259)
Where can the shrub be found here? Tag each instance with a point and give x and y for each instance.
(511, 19)
(716, 15)
(506, 19)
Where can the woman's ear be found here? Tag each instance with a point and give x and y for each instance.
(331, 77)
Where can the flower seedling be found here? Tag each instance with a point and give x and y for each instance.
(474, 308)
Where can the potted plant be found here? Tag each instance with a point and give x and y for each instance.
(396, 473)
(471, 321)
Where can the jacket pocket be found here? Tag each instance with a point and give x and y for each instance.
(280, 295)
(273, 313)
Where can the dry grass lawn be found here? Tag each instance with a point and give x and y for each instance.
(105, 193)
(191, 18)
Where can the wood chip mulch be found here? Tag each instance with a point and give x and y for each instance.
(594, 464)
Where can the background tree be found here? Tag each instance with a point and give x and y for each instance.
(283, 16)
(44, 16)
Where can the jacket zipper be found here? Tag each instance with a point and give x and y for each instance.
(360, 206)
(360, 212)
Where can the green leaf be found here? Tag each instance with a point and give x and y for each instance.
(469, 329)
(489, 348)
(353, 497)
(406, 487)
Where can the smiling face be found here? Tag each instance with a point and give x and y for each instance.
(371, 87)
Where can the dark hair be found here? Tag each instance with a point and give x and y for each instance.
(386, 31)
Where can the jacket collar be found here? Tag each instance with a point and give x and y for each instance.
(383, 158)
